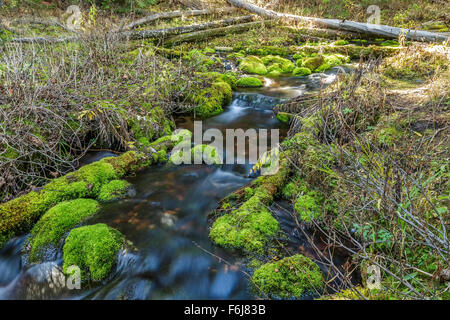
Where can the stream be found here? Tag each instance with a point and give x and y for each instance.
(166, 219)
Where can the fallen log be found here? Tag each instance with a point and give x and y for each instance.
(353, 51)
(175, 14)
(217, 32)
(146, 34)
(364, 28)
(304, 34)
(162, 33)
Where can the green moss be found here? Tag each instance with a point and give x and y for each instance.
(228, 77)
(113, 190)
(52, 226)
(249, 82)
(390, 43)
(313, 63)
(340, 42)
(162, 156)
(387, 136)
(323, 67)
(284, 117)
(210, 101)
(248, 228)
(19, 215)
(335, 59)
(253, 65)
(309, 206)
(301, 71)
(289, 277)
(153, 124)
(93, 249)
(283, 65)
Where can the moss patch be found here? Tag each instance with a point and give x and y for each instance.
(249, 82)
(301, 71)
(313, 63)
(248, 228)
(253, 65)
(50, 229)
(93, 249)
(282, 65)
(113, 190)
(289, 277)
(210, 101)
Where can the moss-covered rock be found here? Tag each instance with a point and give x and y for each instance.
(210, 101)
(249, 82)
(248, 228)
(113, 190)
(336, 59)
(253, 65)
(289, 277)
(282, 65)
(313, 63)
(19, 215)
(323, 67)
(57, 221)
(301, 71)
(94, 249)
(284, 117)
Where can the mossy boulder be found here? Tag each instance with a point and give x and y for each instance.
(113, 190)
(336, 59)
(94, 249)
(323, 67)
(301, 71)
(19, 215)
(57, 221)
(284, 117)
(210, 101)
(249, 82)
(253, 65)
(248, 228)
(282, 65)
(313, 63)
(290, 277)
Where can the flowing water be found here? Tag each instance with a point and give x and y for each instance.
(165, 218)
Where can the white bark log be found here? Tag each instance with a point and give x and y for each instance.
(366, 28)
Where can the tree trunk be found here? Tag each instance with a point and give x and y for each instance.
(147, 34)
(162, 33)
(365, 28)
(217, 32)
(174, 14)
